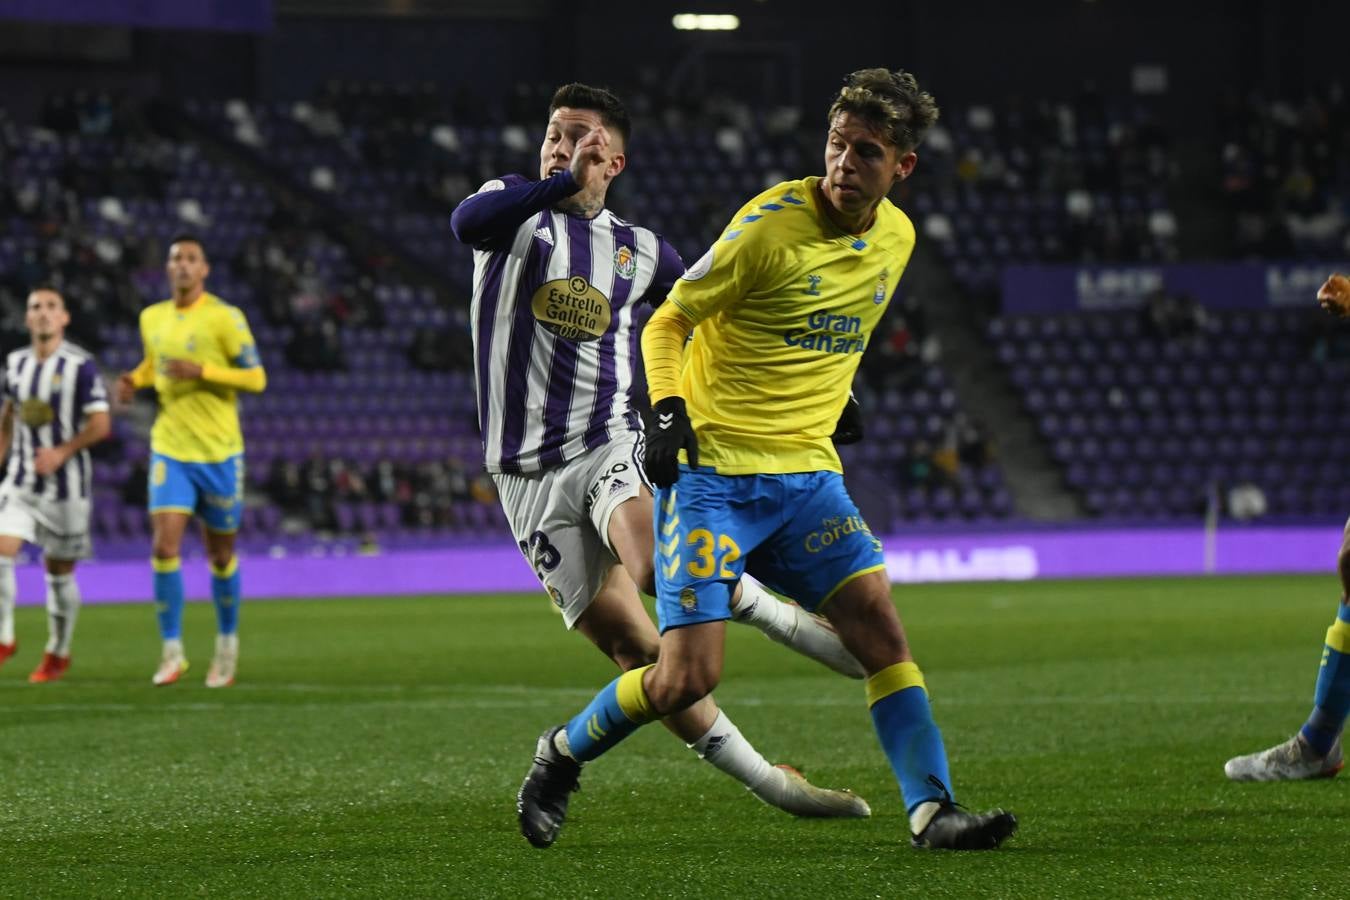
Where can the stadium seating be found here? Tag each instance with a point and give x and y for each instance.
(114, 196)
(1156, 427)
(1083, 181)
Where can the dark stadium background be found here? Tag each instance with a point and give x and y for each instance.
(1105, 358)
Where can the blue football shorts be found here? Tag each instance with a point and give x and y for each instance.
(214, 491)
(800, 534)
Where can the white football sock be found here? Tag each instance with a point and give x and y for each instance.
(792, 626)
(7, 591)
(756, 606)
(727, 749)
(63, 606)
(173, 648)
(922, 815)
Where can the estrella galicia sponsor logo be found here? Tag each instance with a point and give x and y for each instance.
(572, 308)
(1116, 288)
(834, 529)
(828, 333)
(35, 413)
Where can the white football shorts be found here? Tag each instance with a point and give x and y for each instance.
(59, 527)
(560, 519)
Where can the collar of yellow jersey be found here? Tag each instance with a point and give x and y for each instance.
(201, 298)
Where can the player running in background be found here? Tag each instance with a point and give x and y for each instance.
(781, 309)
(199, 353)
(1315, 752)
(558, 282)
(55, 408)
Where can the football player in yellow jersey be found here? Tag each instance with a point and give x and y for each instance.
(781, 309)
(199, 353)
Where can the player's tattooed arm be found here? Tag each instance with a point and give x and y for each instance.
(501, 205)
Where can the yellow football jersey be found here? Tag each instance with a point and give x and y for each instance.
(198, 420)
(785, 303)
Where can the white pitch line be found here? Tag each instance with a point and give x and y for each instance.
(547, 697)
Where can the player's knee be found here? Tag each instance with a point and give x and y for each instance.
(672, 690)
(164, 547)
(59, 566)
(220, 557)
(630, 654)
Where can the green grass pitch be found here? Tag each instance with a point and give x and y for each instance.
(374, 748)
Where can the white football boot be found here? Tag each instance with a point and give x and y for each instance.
(789, 790)
(221, 673)
(172, 664)
(1290, 761)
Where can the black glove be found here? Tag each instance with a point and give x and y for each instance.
(849, 428)
(669, 432)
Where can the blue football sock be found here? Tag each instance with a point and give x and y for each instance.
(169, 596)
(1331, 698)
(617, 711)
(225, 594)
(908, 735)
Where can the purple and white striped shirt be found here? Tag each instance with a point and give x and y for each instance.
(554, 301)
(50, 399)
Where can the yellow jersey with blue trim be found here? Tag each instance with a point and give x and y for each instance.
(784, 304)
(198, 420)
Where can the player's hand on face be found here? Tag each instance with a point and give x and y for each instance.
(125, 391)
(46, 460)
(182, 369)
(590, 157)
(1334, 296)
(669, 433)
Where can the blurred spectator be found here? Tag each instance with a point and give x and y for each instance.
(916, 470)
(1246, 501)
(1170, 316)
(286, 486)
(316, 346)
(448, 349)
(971, 447)
(136, 487)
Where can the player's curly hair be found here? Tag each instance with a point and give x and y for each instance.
(613, 114)
(889, 101)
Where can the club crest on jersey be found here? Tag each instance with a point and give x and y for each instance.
(572, 308)
(688, 600)
(879, 295)
(35, 413)
(625, 263)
